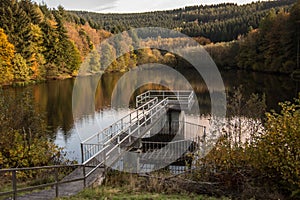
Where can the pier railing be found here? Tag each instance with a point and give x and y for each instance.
(187, 138)
(183, 98)
(112, 138)
(95, 143)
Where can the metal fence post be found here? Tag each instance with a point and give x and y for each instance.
(204, 142)
(105, 163)
(82, 154)
(14, 184)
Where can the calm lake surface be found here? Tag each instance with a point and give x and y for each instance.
(54, 99)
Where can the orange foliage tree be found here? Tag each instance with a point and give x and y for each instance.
(7, 52)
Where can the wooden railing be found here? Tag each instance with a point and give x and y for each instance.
(15, 190)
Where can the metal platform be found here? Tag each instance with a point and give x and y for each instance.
(147, 119)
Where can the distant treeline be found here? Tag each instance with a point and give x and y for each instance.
(219, 23)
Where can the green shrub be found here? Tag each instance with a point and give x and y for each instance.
(278, 150)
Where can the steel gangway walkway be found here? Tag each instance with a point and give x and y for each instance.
(105, 147)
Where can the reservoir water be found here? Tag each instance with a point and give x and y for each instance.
(54, 100)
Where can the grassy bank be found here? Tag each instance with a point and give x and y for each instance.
(120, 185)
(109, 192)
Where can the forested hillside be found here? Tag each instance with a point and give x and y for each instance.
(38, 43)
(274, 46)
(222, 22)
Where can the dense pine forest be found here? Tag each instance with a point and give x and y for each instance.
(38, 43)
(222, 22)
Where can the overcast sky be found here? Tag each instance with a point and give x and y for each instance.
(125, 6)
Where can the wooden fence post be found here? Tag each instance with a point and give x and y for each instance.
(14, 184)
(56, 182)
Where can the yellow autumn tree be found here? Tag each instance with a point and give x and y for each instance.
(7, 52)
(279, 149)
(34, 50)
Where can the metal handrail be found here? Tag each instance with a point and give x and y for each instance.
(178, 94)
(131, 117)
(156, 110)
(172, 142)
(132, 132)
(190, 123)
